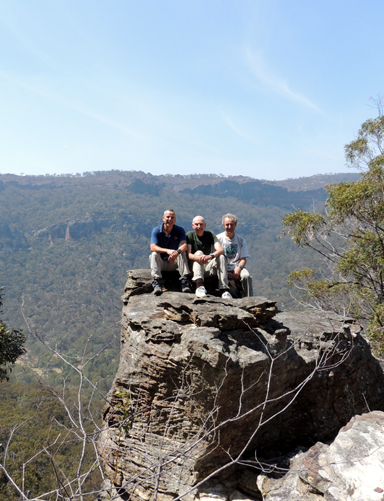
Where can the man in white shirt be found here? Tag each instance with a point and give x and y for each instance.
(236, 253)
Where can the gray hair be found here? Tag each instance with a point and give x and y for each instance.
(229, 216)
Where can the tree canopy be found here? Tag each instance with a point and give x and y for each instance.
(350, 238)
(11, 346)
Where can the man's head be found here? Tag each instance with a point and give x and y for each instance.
(198, 224)
(229, 222)
(169, 218)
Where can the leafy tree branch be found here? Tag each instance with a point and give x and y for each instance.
(349, 237)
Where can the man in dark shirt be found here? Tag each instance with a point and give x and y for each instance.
(168, 252)
(207, 256)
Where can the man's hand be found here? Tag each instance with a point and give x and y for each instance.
(205, 259)
(200, 258)
(172, 255)
(235, 274)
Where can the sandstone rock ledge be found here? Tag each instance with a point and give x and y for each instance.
(205, 382)
(349, 469)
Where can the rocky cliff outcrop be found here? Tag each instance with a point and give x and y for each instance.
(208, 388)
(349, 469)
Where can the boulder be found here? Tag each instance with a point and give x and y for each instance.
(349, 469)
(205, 382)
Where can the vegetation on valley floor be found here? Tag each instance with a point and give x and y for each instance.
(65, 244)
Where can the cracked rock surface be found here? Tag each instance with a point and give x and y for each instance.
(348, 469)
(202, 382)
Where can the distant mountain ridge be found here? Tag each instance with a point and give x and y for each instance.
(177, 182)
(256, 192)
(317, 181)
(285, 194)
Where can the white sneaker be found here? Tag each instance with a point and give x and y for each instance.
(226, 295)
(201, 291)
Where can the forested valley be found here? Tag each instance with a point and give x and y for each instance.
(65, 245)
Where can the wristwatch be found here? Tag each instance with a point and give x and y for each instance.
(241, 267)
(178, 251)
(212, 254)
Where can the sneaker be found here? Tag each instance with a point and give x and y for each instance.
(201, 291)
(157, 285)
(185, 284)
(226, 295)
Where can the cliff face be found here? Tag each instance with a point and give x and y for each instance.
(203, 382)
(257, 192)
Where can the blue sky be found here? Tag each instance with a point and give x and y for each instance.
(269, 89)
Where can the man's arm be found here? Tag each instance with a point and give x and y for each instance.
(204, 259)
(217, 252)
(153, 246)
(172, 253)
(236, 272)
(190, 255)
(243, 259)
(199, 258)
(218, 249)
(156, 248)
(182, 248)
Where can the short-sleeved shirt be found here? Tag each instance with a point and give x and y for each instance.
(234, 250)
(171, 241)
(203, 243)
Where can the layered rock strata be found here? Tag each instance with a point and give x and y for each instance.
(204, 382)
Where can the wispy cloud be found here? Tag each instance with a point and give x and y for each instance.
(238, 131)
(266, 77)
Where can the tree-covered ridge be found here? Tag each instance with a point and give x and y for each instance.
(65, 245)
(317, 181)
(66, 241)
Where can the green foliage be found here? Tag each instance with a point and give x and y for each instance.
(369, 144)
(361, 200)
(126, 414)
(11, 346)
(303, 226)
(350, 238)
(376, 329)
(299, 276)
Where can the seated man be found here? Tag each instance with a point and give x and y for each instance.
(168, 252)
(201, 243)
(236, 253)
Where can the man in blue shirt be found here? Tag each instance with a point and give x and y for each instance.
(168, 252)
